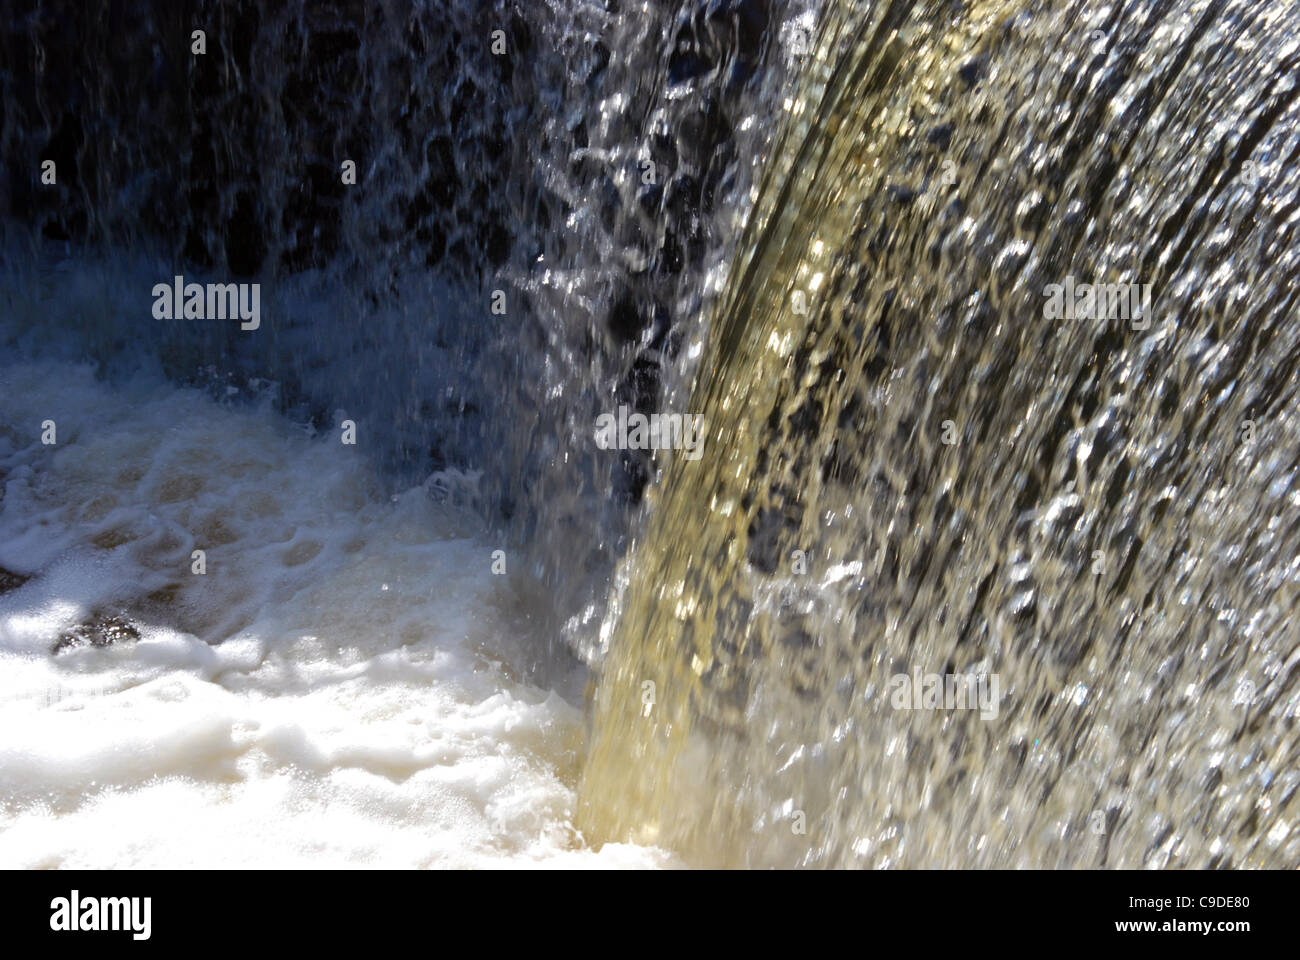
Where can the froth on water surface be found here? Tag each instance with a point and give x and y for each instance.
(985, 554)
(339, 687)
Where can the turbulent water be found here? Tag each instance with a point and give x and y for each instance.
(342, 687)
(832, 230)
(1101, 515)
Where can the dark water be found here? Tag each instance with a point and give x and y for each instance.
(831, 229)
(521, 172)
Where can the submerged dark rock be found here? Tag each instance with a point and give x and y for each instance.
(10, 580)
(101, 631)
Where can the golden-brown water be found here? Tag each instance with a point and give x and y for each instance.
(924, 456)
(921, 472)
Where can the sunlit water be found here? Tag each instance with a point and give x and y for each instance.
(915, 467)
(840, 260)
(362, 707)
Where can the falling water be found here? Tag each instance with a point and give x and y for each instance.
(920, 472)
(833, 230)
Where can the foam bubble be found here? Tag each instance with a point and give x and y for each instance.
(336, 690)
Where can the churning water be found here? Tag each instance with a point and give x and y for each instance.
(987, 311)
(343, 686)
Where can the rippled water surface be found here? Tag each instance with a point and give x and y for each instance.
(833, 230)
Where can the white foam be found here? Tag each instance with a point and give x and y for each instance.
(335, 691)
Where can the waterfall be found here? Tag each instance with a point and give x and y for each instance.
(909, 467)
(987, 554)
